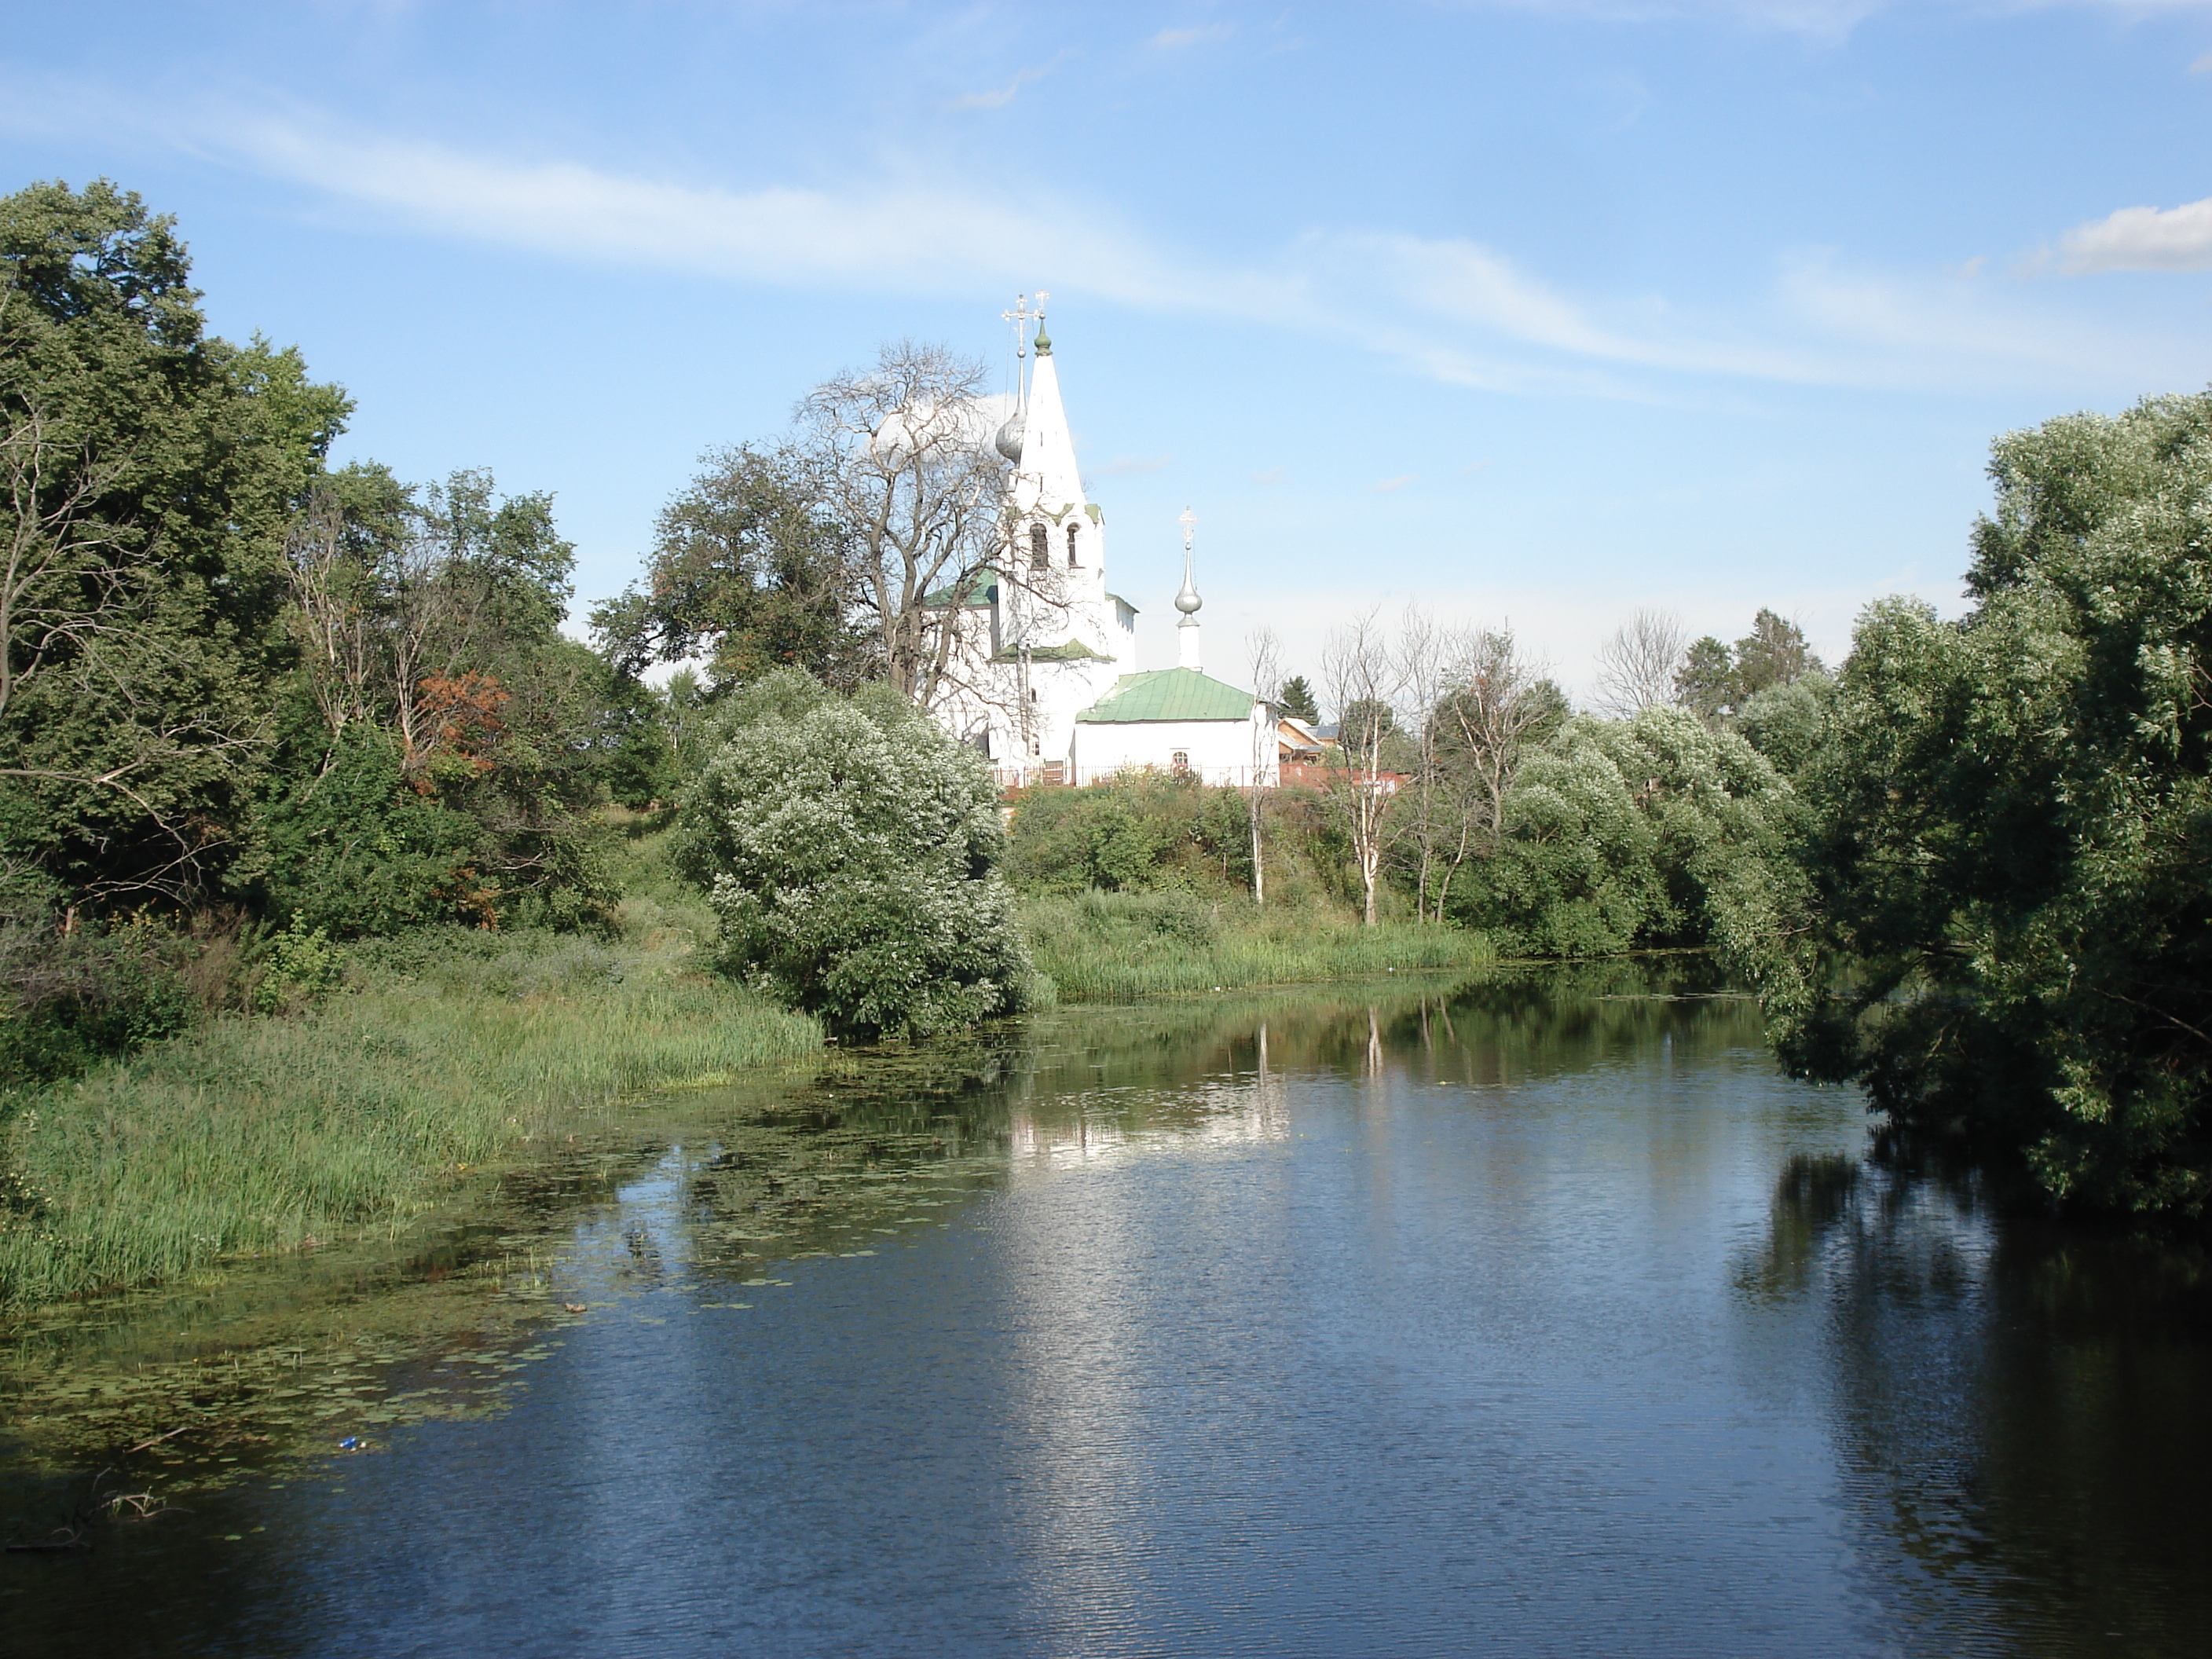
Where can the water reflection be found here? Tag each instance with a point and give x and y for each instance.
(1535, 1315)
(2017, 1409)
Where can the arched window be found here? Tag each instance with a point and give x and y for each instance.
(1071, 547)
(1039, 548)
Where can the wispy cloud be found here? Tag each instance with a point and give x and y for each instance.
(1384, 486)
(2141, 239)
(1273, 475)
(1000, 97)
(1831, 20)
(1122, 466)
(1473, 467)
(1171, 39)
(1449, 308)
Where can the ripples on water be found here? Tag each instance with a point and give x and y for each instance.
(1542, 1316)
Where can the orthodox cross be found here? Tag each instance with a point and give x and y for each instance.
(1021, 317)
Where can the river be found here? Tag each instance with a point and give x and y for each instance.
(1537, 1316)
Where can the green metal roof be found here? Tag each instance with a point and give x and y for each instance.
(1169, 693)
(975, 592)
(1066, 651)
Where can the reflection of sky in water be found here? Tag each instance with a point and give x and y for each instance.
(1506, 1325)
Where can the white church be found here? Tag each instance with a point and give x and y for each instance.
(1043, 673)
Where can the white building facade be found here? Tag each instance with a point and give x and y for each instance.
(1041, 677)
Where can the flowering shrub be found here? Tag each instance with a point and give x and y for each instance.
(850, 850)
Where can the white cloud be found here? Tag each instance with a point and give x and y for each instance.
(1273, 475)
(1384, 486)
(1000, 97)
(1449, 308)
(2141, 239)
(1171, 39)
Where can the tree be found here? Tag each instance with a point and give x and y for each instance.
(1362, 674)
(148, 471)
(1773, 653)
(850, 850)
(1656, 831)
(900, 452)
(1297, 700)
(1638, 667)
(1264, 659)
(751, 569)
(1502, 707)
(440, 739)
(1705, 684)
(2014, 821)
(1716, 683)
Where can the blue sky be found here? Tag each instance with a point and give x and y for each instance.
(1531, 312)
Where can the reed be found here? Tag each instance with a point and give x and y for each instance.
(1108, 946)
(253, 1134)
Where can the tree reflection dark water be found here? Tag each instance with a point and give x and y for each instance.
(2018, 1409)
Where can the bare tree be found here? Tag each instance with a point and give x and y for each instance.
(1361, 672)
(907, 460)
(1263, 656)
(1425, 653)
(330, 617)
(1502, 701)
(1636, 668)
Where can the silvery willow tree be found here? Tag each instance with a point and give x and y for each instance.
(2015, 827)
(902, 452)
(850, 850)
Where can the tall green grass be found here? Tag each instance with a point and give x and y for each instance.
(1102, 946)
(449, 1050)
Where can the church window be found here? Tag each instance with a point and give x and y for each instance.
(1071, 547)
(1181, 761)
(1039, 548)
(1032, 694)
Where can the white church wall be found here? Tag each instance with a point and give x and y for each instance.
(1218, 751)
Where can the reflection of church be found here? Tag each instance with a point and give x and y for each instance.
(1043, 655)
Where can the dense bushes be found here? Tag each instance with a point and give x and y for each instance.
(850, 851)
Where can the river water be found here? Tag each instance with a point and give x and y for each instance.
(1539, 1315)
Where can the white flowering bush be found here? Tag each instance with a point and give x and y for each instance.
(850, 850)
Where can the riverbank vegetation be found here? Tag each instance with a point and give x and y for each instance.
(329, 865)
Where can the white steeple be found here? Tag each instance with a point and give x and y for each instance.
(1046, 477)
(1187, 602)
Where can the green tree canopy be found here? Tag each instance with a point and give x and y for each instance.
(1297, 700)
(1618, 834)
(750, 570)
(2015, 821)
(1716, 682)
(148, 471)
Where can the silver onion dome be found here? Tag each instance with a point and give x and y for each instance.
(1009, 440)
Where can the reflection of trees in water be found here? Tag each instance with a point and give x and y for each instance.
(2019, 1411)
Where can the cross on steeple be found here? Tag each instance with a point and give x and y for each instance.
(1021, 317)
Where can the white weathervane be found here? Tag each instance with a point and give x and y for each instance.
(1187, 602)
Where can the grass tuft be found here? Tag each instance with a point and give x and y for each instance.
(1101, 946)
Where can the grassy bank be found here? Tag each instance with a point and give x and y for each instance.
(447, 1050)
(1103, 946)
